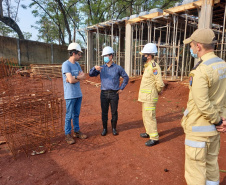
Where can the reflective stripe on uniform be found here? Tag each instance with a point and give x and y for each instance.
(154, 134)
(155, 99)
(212, 60)
(209, 128)
(145, 91)
(212, 182)
(195, 144)
(186, 112)
(149, 108)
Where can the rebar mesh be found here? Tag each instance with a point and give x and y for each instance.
(30, 111)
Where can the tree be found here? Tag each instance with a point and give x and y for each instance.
(60, 18)
(61, 15)
(5, 30)
(8, 17)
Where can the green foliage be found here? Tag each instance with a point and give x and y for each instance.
(27, 35)
(5, 30)
(60, 18)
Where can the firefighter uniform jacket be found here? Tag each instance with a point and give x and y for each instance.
(207, 97)
(151, 83)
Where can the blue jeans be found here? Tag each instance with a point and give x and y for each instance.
(73, 107)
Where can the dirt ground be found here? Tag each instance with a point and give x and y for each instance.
(110, 160)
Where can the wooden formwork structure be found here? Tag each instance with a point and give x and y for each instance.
(167, 29)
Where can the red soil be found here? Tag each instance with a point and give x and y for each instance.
(110, 160)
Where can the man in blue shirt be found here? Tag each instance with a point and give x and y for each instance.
(110, 74)
(72, 74)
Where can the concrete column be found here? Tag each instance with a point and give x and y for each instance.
(205, 17)
(128, 49)
(206, 14)
(89, 51)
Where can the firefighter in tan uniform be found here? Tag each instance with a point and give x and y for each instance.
(151, 85)
(203, 119)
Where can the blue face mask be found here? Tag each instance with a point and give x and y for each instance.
(192, 54)
(106, 59)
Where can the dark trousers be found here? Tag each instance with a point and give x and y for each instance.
(109, 97)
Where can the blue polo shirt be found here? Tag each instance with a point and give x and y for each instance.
(110, 77)
(71, 90)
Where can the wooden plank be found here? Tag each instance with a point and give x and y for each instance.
(137, 19)
(173, 10)
(145, 17)
(152, 15)
(188, 6)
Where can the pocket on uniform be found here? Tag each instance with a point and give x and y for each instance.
(195, 154)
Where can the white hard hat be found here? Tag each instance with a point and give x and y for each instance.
(149, 48)
(74, 46)
(107, 50)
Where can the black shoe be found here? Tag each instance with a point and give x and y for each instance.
(144, 135)
(114, 132)
(151, 142)
(104, 133)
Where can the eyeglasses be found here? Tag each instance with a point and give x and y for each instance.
(79, 54)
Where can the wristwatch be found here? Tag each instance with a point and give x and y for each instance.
(220, 123)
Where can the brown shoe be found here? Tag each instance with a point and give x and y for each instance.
(69, 139)
(80, 135)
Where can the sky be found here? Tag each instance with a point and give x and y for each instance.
(26, 19)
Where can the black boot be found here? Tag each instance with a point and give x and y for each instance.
(114, 131)
(151, 142)
(144, 135)
(105, 130)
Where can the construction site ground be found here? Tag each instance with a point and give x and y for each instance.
(110, 160)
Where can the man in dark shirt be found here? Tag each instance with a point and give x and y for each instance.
(110, 74)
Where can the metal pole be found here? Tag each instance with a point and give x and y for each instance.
(18, 51)
(52, 53)
(135, 53)
(131, 68)
(119, 45)
(222, 41)
(183, 57)
(174, 35)
(148, 23)
(105, 36)
(150, 31)
(98, 46)
(112, 29)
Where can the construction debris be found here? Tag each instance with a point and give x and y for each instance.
(44, 70)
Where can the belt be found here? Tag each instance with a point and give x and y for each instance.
(109, 90)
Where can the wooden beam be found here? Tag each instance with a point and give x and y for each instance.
(169, 12)
(137, 19)
(152, 15)
(196, 5)
(188, 6)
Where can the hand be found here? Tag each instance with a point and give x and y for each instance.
(119, 91)
(98, 68)
(81, 75)
(67, 80)
(222, 127)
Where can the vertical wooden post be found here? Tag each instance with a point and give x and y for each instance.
(89, 50)
(128, 49)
